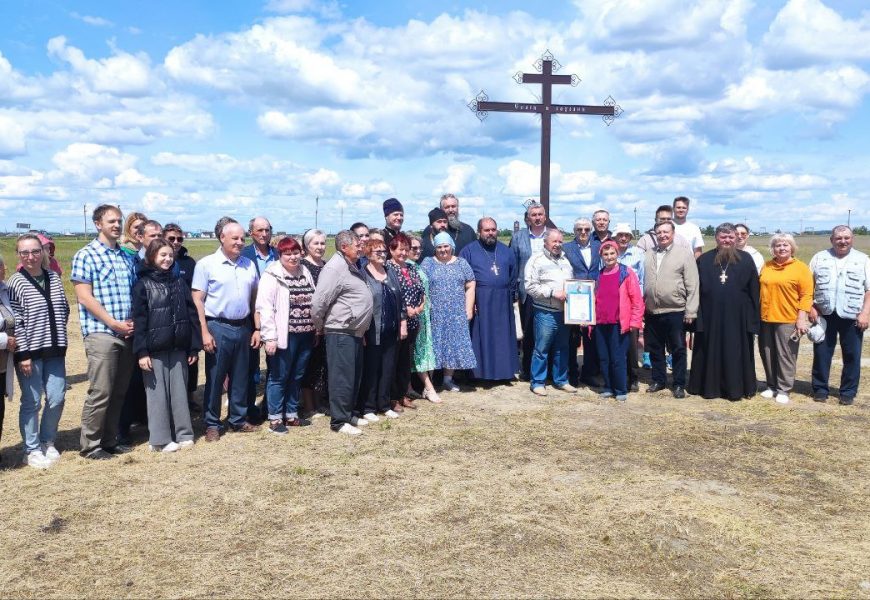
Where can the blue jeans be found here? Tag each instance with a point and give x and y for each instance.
(551, 337)
(48, 375)
(230, 358)
(286, 368)
(851, 339)
(612, 351)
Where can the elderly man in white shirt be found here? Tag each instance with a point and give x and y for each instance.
(545, 276)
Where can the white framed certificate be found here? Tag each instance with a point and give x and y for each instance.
(579, 302)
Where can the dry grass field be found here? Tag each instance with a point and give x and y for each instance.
(494, 493)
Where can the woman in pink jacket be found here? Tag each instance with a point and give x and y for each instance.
(287, 332)
(618, 310)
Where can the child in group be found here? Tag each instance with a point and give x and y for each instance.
(618, 309)
(166, 339)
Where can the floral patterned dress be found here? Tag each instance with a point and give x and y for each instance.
(451, 336)
(424, 353)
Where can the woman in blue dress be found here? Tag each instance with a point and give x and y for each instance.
(451, 291)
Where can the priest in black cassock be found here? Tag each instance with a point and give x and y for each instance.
(493, 328)
(723, 360)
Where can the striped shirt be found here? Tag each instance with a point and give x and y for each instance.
(41, 314)
(111, 275)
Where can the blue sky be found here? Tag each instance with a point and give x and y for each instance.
(189, 110)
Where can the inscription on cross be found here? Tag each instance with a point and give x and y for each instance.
(547, 66)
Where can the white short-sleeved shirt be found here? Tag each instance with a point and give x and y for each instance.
(691, 232)
(228, 285)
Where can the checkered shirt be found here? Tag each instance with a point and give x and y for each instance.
(111, 275)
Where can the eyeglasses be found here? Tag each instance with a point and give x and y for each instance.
(172, 238)
(26, 253)
(583, 229)
(380, 252)
(415, 248)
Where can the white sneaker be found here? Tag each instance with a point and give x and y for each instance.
(37, 460)
(782, 398)
(349, 429)
(170, 447)
(371, 417)
(185, 444)
(357, 422)
(51, 453)
(539, 390)
(566, 388)
(391, 414)
(768, 393)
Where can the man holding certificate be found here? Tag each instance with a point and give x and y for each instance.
(545, 277)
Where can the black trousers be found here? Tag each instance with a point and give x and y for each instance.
(632, 358)
(404, 358)
(665, 331)
(528, 343)
(344, 353)
(379, 368)
(577, 336)
(2, 400)
(135, 409)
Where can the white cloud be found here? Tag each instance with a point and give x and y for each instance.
(13, 139)
(92, 20)
(458, 177)
(121, 75)
(666, 23)
(809, 31)
(101, 166)
(154, 201)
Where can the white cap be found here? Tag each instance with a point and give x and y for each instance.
(622, 228)
(816, 333)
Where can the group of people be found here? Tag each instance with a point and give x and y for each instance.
(363, 335)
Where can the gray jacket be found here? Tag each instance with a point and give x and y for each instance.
(342, 301)
(673, 286)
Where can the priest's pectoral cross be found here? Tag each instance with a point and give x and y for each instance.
(723, 277)
(494, 269)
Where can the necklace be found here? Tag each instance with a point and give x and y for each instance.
(723, 277)
(494, 267)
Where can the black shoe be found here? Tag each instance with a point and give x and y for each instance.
(820, 397)
(679, 392)
(655, 386)
(634, 387)
(847, 400)
(97, 454)
(118, 449)
(413, 395)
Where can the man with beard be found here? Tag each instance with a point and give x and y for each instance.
(462, 233)
(437, 224)
(493, 327)
(394, 216)
(525, 243)
(723, 365)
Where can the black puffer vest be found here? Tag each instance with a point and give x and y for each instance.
(169, 326)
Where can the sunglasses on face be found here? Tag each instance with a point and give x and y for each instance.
(173, 238)
(583, 229)
(380, 252)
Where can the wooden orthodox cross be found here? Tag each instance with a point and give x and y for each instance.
(546, 65)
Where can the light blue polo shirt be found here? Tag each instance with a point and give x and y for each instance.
(227, 284)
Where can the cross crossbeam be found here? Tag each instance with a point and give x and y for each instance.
(482, 106)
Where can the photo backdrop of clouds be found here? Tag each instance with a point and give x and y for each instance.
(188, 111)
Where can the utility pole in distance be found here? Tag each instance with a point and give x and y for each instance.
(85, 218)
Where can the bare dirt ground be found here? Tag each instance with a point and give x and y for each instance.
(494, 493)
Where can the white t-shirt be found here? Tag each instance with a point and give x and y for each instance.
(691, 232)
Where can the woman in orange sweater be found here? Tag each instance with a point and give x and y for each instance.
(786, 300)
